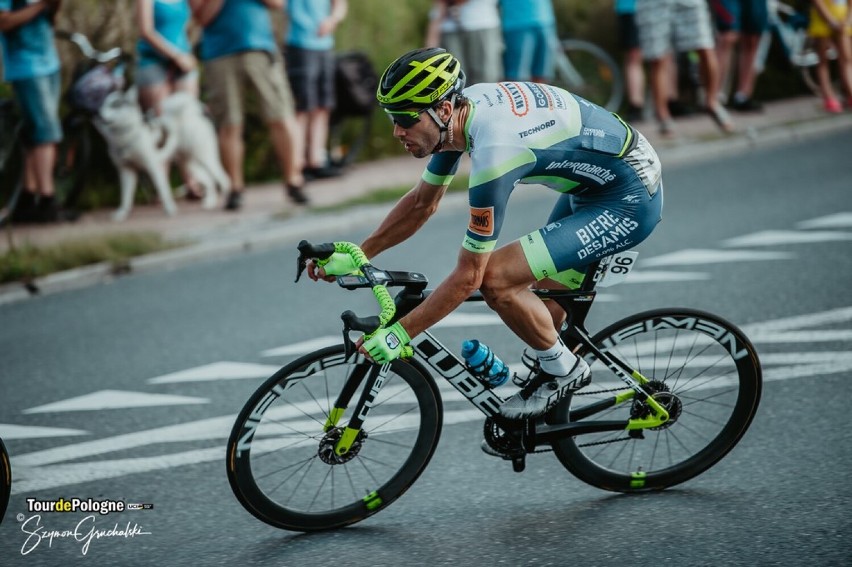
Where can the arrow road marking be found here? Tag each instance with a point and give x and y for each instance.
(837, 220)
(11, 431)
(218, 371)
(115, 399)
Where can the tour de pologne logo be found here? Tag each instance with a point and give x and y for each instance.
(49, 522)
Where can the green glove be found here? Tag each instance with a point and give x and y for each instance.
(386, 345)
(339, 264)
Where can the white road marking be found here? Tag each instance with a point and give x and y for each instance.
(218, 371)
(695, 256)
(115, 399)
(837, 220)
(304, 346)
(778, 237)
(651, 276)
(12, 431)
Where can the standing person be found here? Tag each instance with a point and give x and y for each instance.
(471, 30)
(31, 65)
(607, 173)
(239, 50)
(831, 24)
(165, 63)
(634, 72)
(685, 25)
(310, 67)
(742, 21)
(529, 32)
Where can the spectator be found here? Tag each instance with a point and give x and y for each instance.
(31, 65)
(239, 50)
(742, 21)
(634, 72)
(684, 24)
(831, 24)
(529, 32)
(165, 62)
(310, 67)
(470, 29)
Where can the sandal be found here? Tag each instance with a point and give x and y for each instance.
(721, 117)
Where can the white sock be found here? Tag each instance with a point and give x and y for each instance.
(558, 360)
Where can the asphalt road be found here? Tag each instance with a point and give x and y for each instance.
(763, 238)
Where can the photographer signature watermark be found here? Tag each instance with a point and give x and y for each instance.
(85, 531)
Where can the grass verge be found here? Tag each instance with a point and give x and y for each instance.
(27, 262)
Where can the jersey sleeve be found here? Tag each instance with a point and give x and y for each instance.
(441, 168)
(494, 172)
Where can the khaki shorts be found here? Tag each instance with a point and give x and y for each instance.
(263, 71)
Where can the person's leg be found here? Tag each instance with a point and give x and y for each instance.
(843, 43)
(222, 83)
(320, 114)
(152, 86)
(654, 22)
(823, 73)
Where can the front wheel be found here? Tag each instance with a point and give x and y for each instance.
(281, 463)
(701, 368)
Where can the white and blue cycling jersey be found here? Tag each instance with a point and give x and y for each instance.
(528, 133)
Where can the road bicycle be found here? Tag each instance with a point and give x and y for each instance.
(332, 438)
(584, 68)
(91, 77)
(5, 479)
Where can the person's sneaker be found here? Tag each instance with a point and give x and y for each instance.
(297, 195)
(323, 172)
(47, 211)
(26, 209)
(832, 105)
(544, 391)
(234, 201)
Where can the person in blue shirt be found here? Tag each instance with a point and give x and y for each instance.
(31, 65)
(529, 32)
(239, 50)
(309, 48)
(165, 63)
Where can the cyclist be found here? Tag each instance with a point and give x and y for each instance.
(516, 134)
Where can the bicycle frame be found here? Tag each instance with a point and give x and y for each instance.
(439, 359)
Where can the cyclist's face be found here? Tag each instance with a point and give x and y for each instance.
(421, 137)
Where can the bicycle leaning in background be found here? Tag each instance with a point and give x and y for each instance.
(332, 438)
(92, 79)
(585, 69)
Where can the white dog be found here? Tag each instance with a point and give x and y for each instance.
(194, 144)
(133, 147)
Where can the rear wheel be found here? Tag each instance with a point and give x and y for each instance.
(281, 463)
(701, 368)
(5, 479)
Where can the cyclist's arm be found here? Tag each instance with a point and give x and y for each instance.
(410, 213)
(415, 208)
(10, 20)
(450, 293)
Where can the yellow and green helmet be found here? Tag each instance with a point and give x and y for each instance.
(420, 79)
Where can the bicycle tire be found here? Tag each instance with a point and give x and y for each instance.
(5, 480)
(73, 155)
(589, 72)
(11, 165)
(717, 388)
(273, 462)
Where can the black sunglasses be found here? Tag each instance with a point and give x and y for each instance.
(405, 118)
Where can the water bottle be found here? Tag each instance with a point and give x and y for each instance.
(484, 363)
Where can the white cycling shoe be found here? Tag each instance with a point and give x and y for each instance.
(526, 404)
